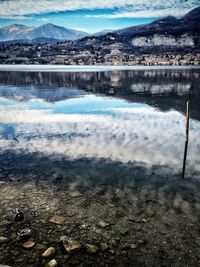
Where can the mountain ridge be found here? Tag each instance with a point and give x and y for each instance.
(49, 30)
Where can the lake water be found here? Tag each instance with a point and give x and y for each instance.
(103, 145)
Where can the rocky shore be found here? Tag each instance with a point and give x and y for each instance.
(80, 215)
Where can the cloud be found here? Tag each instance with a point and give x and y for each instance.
(126, 7)
(140, 135)
(177, 12)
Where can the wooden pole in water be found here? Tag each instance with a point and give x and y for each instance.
(186, 138)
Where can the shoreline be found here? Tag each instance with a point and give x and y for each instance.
(88, 68)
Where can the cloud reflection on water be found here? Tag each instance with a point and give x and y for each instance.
(123, 132)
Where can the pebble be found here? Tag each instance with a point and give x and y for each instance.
(29, 244)
(102, 224)
(132, 246)
(15, 252)
(49, 252)
(92, 249)
(40, 247)
(75, 194)
(57, 219)
(124, 231)
(134, 219)
(52, 263)
(3, 239)
(70, 244)
(141, 242)
(103, 246)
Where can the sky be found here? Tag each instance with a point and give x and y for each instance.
(91, 15)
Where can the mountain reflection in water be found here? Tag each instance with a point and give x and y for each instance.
(122, 116)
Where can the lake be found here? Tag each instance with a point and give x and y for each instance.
(101, 151)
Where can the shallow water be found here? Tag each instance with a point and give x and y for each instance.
(101, 145)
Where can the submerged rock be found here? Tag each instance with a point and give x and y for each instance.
(75, 194)
(92, 249)
(135, 219)
(141, 242)
(49, 252)
(29, 244)
(102, 224)
(132, 246)
(103, 246)
(52, 263)
(15, 252)
(57, 219)
(70, 244)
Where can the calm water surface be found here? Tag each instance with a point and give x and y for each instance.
(116, 138)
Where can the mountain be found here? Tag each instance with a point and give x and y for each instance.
(165, 34)
(51, 31)
(190, 23)
(101, 33)
(14, 31)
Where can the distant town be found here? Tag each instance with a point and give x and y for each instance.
(65, 54)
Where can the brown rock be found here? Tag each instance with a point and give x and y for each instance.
(29, 244)
(92, 249)
(132, 246)
(49, 252)
(57, 219)
(72, 246)
(75, 194)
(52, 263)
(141, 242)
(102, 224)
(103, 246)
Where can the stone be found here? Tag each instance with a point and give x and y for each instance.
(91, 249)
(112, 251)
(103, 246)
(141, 242)
(29, 244)
(3, 239)
(15, 252)
(135, 219)
(72, 246)
(49, 252)
(40, 247)
(52, 263)
(13, 236)
(69, 244)
(132, 246)
(112, 243)
(124, 231)
(102, 224)
(57, 219)
(75, 194)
